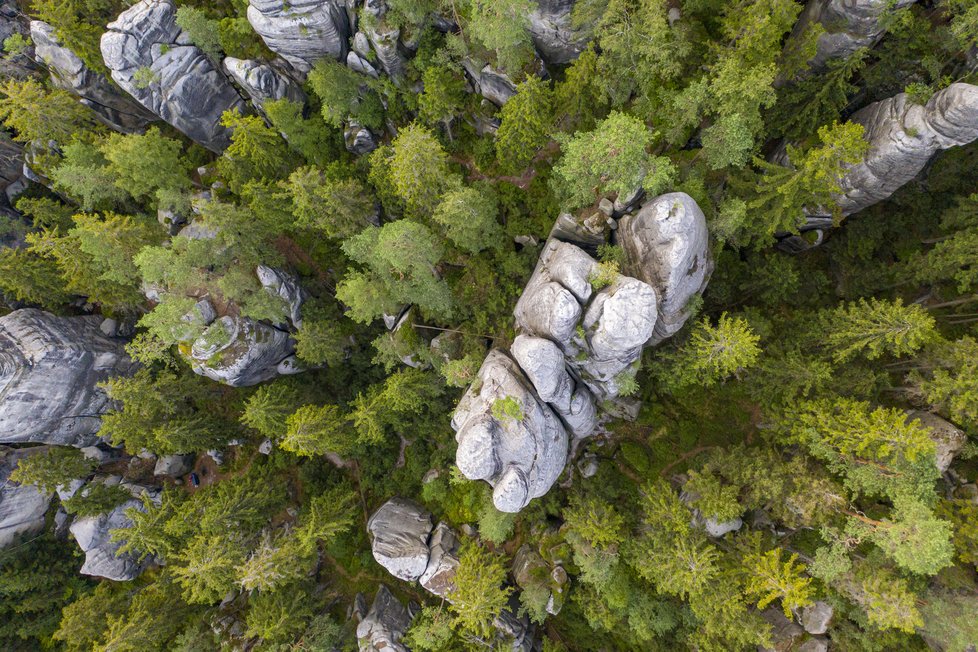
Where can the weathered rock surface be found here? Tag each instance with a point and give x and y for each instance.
(553, 35)
(520, 455)
(112, 106)
(239, 351)
(582, 328)
(666, 245)
(815, 618)
(785, 633)
(174, 466)
(385, 624)
(490, 84)
(154, 61)
(22, 507)
(439, 574)
(849, 25)
(948, 438)
(93, 536)
(14, 21)
(49, 371)
(399, 532)
(302, 31)
(263, 82)
(11, 166)
(286, 287)
(903, 137)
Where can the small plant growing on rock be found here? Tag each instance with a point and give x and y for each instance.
(604, 274)
(507, 408)
(144, 77)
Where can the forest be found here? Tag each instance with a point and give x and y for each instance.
(460, 325)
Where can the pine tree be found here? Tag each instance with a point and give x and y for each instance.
(468, 216)
(526, 122)
(478, 594)
(875, 328)
(712, 354)
(318, 430)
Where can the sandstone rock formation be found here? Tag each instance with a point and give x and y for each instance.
(49, 371)
(92, 534)
(666, 245)
(382, 629)
(302, 31)
(22, 507)
(151, 58)
(903, 137)
(849, 26)
(263, 82)
(405, 543)
(582, 328)
(286, 287)
(948, 438)
(553, 36)
(239, 351)
(113, 107)
(490, 84)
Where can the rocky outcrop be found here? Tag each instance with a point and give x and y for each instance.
(489, 83)
(11, 168)
(13, 21)
(302, 31)
(239, 351)
(849, 25)
(113, 107)
(50, 368)
(903, 137)
(93, 535)
(174, 466)
(22, 507)
(405, 543)
(383, 627)
(263, 82)
(582, 328)
(948, 439)
(520, 452)
(151, 58)
(553, 35)
(399, 532)
(286, 287)
(666, 245)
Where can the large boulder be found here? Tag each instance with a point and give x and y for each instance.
(113, 107)
(102, 558)
(948, 439)
(554, 37)
(399, 533)
(666, 244)
(22, 507)
(50, 368)
(151, 58)
(263, 82)
(848, 25)
(903, 137)
(382, 629)
(240, 351)
(439, 575)
(302, 31)
(520, 453)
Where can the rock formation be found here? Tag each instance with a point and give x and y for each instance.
(22, 507)
(948, 438)
(553, 36)
(490, 84)
(405, 543)
(93, 535)
(239, 351)
(582, 328)
(302, 31)
(50, 368)
(263, 82)
(151, 58)
(849, 25)
(113, 107)
(383, 627)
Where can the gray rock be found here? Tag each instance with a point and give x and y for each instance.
(109, 327)
(217, 456)
(399, 532)
(543, 363)
(11, 165)
(202, 314)
(903, 137)
(384, 626)
(666, 245)
(814, 645)
(22, 507)
(65, 492)
(174, 466)
(490, 84)
(112, 106)
(717, 528)
(50, 368)
(784, 633)
(357, 63)
(286, 287)
(815, 618)
(553, 35)
(849, 25)
(14, 21)
(265, 447)
(302, 31)
(239, 351)
(358, 139)
(152, 60)
(386, 43)
(588, 466)
(263, 82)
(521, 458)
(948, 438)
(439, 575)
(101, 554)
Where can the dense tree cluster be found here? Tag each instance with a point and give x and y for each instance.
(803, 411)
